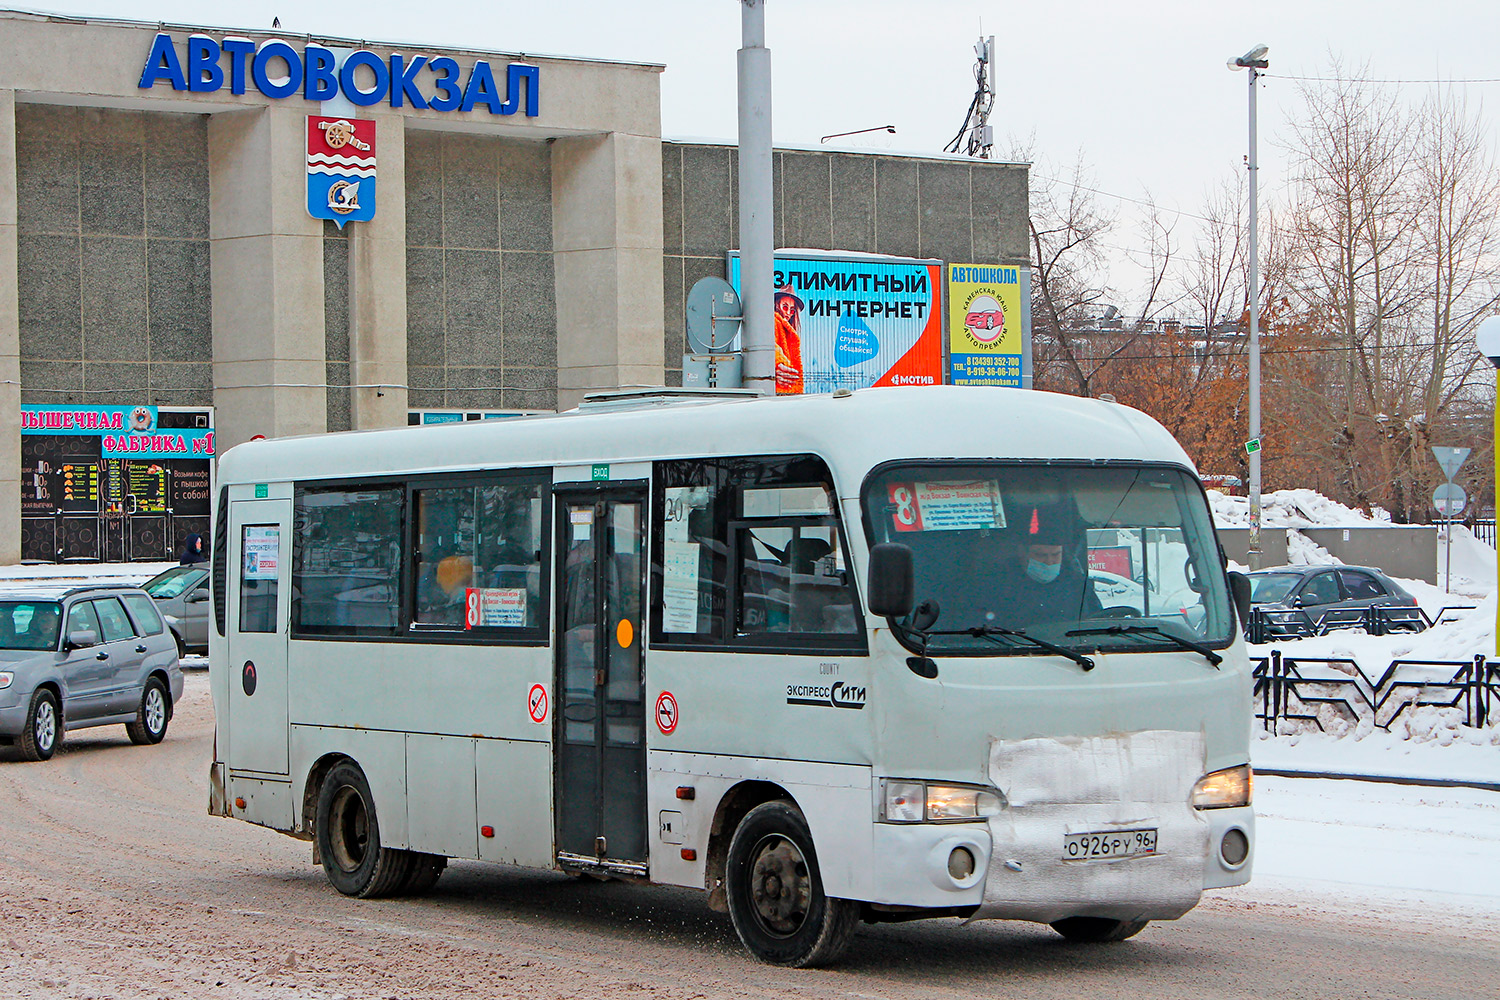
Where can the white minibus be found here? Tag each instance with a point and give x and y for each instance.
(869, 656)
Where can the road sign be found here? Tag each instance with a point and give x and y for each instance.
(1252, 446)
(1449, 499)
(1450, 459)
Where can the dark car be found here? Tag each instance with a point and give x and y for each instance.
(181, 595)
(72, 657)
(1303, 600)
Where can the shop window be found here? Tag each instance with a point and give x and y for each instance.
(479, 557)
(346, 561)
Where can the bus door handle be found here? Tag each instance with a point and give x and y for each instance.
(599, 677)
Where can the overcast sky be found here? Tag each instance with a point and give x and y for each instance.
(1140, 88)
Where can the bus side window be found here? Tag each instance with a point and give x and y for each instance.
(346, 563)
(479, 551)
(748, 546)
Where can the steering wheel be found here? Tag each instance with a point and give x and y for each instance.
(1119, 611)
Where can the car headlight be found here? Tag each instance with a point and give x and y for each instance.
(904, 801)
(1222, 789)
(6, 677)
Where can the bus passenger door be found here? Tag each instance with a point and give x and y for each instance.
(601, 728)
(258, 581)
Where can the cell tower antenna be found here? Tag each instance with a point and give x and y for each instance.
(977, 137)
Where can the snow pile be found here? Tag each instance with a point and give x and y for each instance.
(1293, 509)
(1303, 551)
(1473, 562)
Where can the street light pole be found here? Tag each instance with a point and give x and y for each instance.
(1255, 61)
(757, 235)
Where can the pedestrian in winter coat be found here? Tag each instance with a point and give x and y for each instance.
(192, 551)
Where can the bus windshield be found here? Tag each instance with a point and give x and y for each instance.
(1092, 557)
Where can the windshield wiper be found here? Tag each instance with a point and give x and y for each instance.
(1188, 644)
(993, 631)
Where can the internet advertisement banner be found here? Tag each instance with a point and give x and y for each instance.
(850, 322)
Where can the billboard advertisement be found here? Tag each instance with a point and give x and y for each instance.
(846, 321)
(989, 325)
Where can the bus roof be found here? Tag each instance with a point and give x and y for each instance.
(853, 433)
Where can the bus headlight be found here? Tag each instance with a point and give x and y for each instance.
(1222, 789)
(921, 801)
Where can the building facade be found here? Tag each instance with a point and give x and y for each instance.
(532, 239)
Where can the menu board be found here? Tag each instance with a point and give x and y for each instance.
(147, 485)
(79, 485)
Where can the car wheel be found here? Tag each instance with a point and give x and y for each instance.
(181, 648)
(44, 729)
(348, 834)
(775, 892)
(1097, 930)
(151, 718)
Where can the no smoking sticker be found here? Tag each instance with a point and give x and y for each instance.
(666, 713)
(536, 703)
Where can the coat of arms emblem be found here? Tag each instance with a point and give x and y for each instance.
(340, 169)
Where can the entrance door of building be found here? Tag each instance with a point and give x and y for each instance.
(600, 772)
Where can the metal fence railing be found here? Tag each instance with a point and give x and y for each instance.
(1298, 688)
(1267, 625)
(1484, 530)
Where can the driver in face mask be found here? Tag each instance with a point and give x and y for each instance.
(1051, 586)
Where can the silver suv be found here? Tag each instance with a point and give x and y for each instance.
(73, 657)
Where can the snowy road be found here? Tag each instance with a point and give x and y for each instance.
(115, 883)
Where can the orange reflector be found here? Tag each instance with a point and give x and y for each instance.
(486, 831)
(239, 803)
(685, 792)
(625, 633)
(688, 854)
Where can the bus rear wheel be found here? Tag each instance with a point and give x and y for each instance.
(348, 833)
(1098, 930)
(775, 892)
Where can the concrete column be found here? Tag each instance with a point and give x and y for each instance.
(10, 342)
(607, 247)
(266, 263)
(377, 288)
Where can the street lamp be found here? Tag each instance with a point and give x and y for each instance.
(1254, 61)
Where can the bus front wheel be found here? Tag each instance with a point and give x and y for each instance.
(775, 891)
(348, 835)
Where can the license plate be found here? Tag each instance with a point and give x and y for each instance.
(1105, 845)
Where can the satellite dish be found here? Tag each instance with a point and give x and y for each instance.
(713, 316)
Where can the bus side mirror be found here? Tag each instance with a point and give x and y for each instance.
(1239, 589)
(892, 580)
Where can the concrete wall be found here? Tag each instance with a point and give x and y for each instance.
(1408, 551)
(962, 211)
(1236, 542)
(481, 314)
(113, 262)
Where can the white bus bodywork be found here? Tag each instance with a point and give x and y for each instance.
(459, 767)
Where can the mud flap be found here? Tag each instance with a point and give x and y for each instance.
(218, 799)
